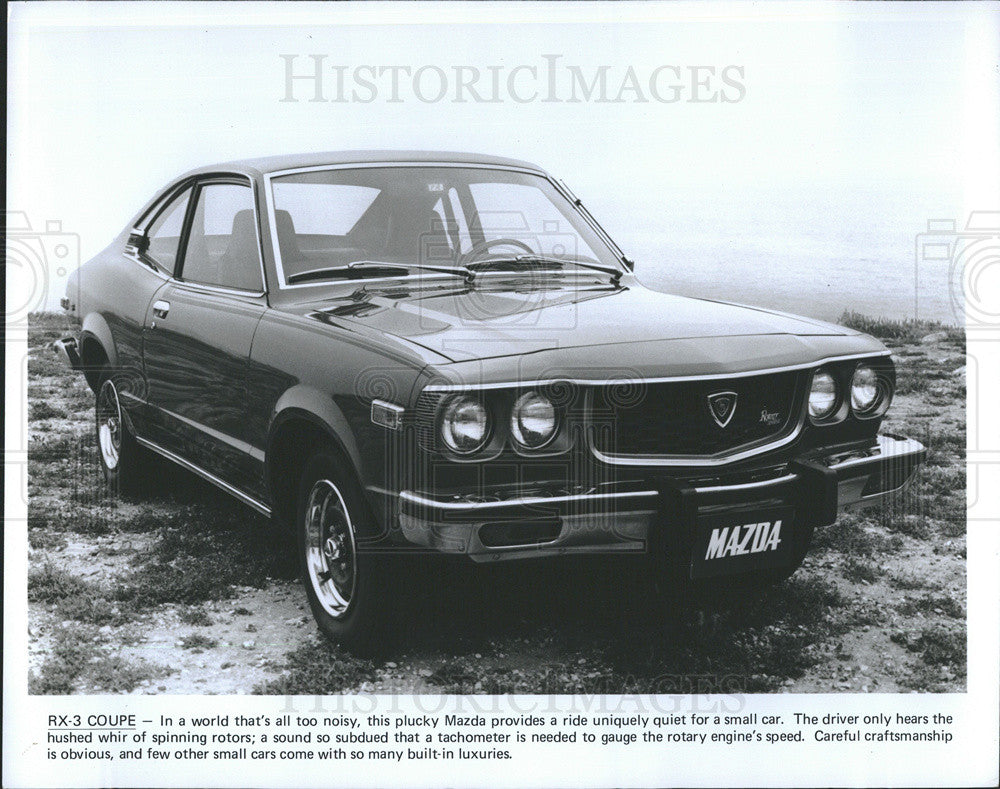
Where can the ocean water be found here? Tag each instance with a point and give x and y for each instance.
(809, 255)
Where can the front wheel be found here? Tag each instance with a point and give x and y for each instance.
(347, 587)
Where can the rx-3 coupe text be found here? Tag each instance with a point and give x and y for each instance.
(401, 352)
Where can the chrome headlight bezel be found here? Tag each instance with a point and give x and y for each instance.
(453, 408)
(833, 397)
(519, 431)
(881, 382)
(864, 393)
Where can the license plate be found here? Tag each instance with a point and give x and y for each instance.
(742, 541)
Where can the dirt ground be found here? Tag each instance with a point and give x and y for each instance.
(186, 591)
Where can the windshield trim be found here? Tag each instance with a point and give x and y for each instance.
(272, 221)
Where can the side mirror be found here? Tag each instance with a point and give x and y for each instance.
(138, 240)
(629, 263)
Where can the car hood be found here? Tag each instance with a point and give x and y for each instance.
(507, 318)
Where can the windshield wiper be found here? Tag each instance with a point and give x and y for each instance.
(543, 260)
(375, 265)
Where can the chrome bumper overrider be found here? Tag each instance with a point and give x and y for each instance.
(514, 522)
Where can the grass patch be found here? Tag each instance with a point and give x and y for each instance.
(57, 447)
(76, 599)
(78, 664)
(116, 674)
(41, 409)
(854, 536)
(937, 644)
(319, 669)
(907, 330)
(49, 584)
(94, 608)
(42, 540)
(70, 656)
(195, 616)
(198, 642)
(859, 570)
(910, 580)
(930, 604)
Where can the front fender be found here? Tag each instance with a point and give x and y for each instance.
(304, 401)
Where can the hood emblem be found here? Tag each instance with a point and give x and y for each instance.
(722, 406)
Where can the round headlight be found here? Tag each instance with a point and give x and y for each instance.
(533, 420)
(864, 389)
(822, 395)
(465, 425)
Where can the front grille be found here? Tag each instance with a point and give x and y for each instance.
(424, 415)
(673, 418)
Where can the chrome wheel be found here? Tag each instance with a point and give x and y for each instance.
(330, 551)
(109, 425)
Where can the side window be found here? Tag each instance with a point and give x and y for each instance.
(222, 245)
(164, 233)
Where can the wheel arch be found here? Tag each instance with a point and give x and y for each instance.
(304, 420)
(97, 348)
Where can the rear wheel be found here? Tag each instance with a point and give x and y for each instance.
(122, 459)
(347, 585)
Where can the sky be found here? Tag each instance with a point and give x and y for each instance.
(846, 126)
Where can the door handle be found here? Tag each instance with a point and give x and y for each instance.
(161, 308)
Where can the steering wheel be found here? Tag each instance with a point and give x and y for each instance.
(485, 246)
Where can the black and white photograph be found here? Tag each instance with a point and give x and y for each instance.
(501, 394)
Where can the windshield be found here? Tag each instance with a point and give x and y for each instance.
(341, 222)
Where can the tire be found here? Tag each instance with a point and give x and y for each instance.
(123, 461)
(347, 584)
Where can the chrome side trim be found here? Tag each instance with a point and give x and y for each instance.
(883, 450)
(764, 483)
(155, 269)
(416, 498)
(235, 492)
(381, 163)
(222, 291)
(652, 380)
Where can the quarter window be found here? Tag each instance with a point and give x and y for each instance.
(222, 245)
(164, 233)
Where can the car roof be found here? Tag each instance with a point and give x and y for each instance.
(270, 164)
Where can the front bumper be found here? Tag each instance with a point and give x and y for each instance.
(508, 522)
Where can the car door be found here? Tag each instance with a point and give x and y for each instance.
(198, 334)
(122, 288)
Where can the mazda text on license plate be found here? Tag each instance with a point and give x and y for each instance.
(737, 542)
